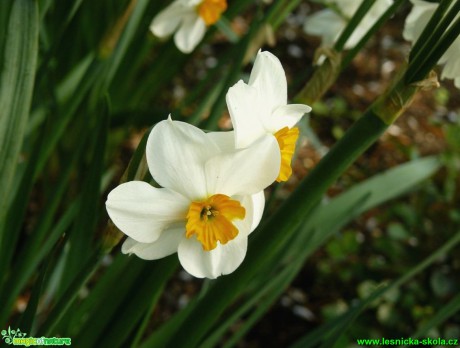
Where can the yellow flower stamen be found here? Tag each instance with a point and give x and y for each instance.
(286, 140)
(211, 10)
(211, 220)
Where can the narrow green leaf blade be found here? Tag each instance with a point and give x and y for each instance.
(143, 295)
(81, 237)
(16, 88)
(324, 222)
(442, 315)
(344, 321)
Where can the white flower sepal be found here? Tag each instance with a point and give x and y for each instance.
(188, 19)
(210, 201)
(416, 21)
(260, 108)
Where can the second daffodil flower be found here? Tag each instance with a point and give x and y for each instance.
(211, 198)
(189, 20)
(259, 109)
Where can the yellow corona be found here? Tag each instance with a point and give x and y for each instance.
(211, 220)
(211, 10)
(287, 138)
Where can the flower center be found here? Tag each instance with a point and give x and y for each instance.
(211, 10)
(211, 220)
(286, 140)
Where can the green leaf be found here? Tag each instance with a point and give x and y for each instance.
(140, 301)
(321, 225)
(334, 331)
(225, 28)
(27, 318)
(332, 216)
(447, 311)
(81, 237)
(440, 37)
(427, 37)
(16, 87)
(46, 232)
(359, 46)
(17, 209)
(352, 24)
(68, 297)
(96, 312)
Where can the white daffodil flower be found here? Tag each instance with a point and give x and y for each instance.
(329, 23)
(210, 201)
(189, 20)
(415, 23)
(259, 109)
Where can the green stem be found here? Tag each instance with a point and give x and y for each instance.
(322, 79)
(279, 11)
(390, 105)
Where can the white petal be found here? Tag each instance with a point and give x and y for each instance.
(269, 78)
(190, 33)
(452, 68)
(326, 24)
(451, 60)
(258, 204)
(246, 171)
(167, 21)
(142, 211)
(191, 3)
(165, 245)
(245, 113)
(224, 259)
(176, 153)
(457, 82)
(374, 13)
(287, 116)
(349, 7)
(417, 19)
(254, 205)
(224, 140)
(128, 245)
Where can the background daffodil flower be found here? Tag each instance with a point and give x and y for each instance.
(416, 22)
(259, 109)
(210, 201)
(189, 20)
(330, 23)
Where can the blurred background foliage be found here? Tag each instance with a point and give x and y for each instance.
(102, 80)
